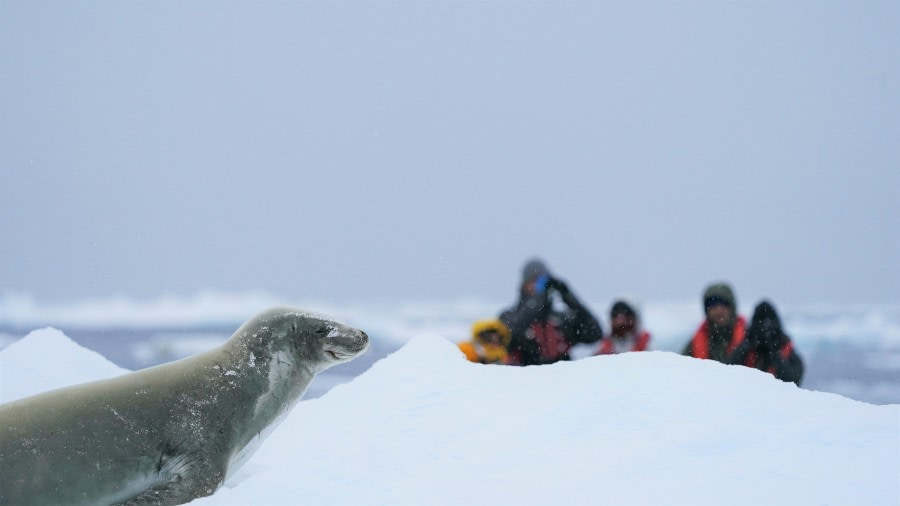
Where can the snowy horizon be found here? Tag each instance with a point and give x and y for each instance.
(23, 311)
(853, 351)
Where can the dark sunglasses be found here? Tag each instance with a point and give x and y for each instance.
(715, 301)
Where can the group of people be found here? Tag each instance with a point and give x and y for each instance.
(534, 331)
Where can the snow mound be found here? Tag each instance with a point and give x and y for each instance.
(424, 426)
(47, 359)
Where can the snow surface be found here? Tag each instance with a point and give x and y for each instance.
(47, 359)
(424, 426)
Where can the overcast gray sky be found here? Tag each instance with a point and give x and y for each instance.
(404, 150)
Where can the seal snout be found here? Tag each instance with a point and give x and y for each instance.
(362, 341)
(346, 344)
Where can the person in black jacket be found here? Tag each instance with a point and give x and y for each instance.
(768, 348)
(539, 333)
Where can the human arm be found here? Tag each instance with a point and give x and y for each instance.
(739, 355)
(582, 325)
(787, 364)
(522, 349)
(694, 346)
(776, 355)
(519, 318)
(643, 341)
(568, 298)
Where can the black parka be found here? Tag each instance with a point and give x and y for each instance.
(768, 348)
(535, 314)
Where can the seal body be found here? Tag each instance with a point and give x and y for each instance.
(170, 433)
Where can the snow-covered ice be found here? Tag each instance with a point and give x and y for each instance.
(47, 359)
(424, 426)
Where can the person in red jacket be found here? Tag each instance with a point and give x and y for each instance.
(768, 348)
(626, 333)
(722, 331)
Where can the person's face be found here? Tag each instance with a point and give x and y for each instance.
(535, 286)
(490, 337)
(718, 314)
(622, 323)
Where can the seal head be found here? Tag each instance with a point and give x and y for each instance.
(313, 341)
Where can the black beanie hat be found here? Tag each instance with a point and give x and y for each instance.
(534, 268)
(620, 306)
(719, 292)
(765, 314)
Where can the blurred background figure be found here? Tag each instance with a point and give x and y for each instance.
(539, 333)
(490, 339)
(722, 331)
(626, 332)
(768, 348)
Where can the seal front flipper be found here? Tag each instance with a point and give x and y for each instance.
(201, 481)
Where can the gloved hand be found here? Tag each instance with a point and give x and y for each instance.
(558, 285)
(753, 337)
(767, 357)
(770, 336)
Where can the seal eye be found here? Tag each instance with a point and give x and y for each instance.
(320, 330)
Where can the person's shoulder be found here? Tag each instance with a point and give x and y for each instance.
(505, 314)
(701, 328)
(468, 348)
(605, 346)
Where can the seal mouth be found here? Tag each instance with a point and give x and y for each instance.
(335, 355)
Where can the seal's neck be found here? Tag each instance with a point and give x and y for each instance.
(279, 381)
(284, 384)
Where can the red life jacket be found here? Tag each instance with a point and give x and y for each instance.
(607, 346)
(700, 341)
(551, 341)
(785, 353)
